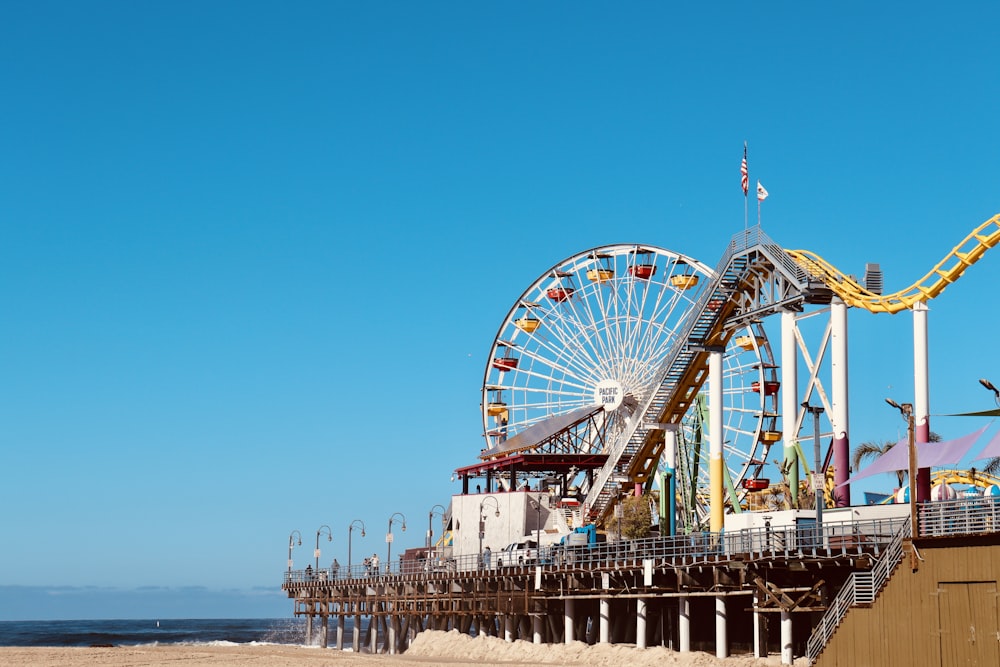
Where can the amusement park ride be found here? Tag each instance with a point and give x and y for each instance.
(626, 367)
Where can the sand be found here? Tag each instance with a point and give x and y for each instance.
(429, 648)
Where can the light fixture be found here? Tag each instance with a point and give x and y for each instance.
(989, 385)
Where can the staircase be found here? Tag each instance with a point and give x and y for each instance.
(860, 588)
(678, 380)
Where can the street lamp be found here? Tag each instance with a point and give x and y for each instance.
(816, 411)
(388, 541)
(350, 529)
(906, 410)
(989, 385)
(329, 538)
(537, 506)
(430, 528)
(482, 522)
(291, 543)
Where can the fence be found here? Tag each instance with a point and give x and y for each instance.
(832, 540)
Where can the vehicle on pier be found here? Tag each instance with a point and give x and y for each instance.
(517, 554)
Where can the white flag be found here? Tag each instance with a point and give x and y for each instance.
(761, 192)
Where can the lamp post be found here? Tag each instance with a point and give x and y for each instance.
(388, 540)
(430, 527)
(818, 477)
(537, 506)
(291, 543)
(329, 538)
(482, 522)
(350, 529)
(906, 410)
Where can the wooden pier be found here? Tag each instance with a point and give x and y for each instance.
(749, 593)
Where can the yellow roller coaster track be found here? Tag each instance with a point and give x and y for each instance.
(970, 477)
(947, 271)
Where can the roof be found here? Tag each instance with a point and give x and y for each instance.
(538, 433)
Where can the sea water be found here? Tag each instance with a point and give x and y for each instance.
(153, 631)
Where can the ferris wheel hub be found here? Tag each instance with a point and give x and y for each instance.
(609, 394)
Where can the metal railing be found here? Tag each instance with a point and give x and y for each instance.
(861, 587)
(834, 540)
(967, 516)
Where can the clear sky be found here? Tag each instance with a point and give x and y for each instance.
(254, 254)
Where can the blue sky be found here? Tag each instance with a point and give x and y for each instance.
(253, 256)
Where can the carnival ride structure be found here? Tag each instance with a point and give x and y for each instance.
(608, 354)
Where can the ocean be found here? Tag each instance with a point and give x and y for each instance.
(152, 631)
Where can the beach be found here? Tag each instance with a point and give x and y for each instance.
(429, 648)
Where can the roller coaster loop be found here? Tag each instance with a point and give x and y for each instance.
(947, 271)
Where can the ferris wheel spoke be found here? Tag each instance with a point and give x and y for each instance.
(562, 362)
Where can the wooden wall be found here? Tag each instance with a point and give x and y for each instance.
(944, 613)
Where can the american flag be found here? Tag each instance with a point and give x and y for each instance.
(744, 174)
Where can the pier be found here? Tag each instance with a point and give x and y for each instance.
(765, 587)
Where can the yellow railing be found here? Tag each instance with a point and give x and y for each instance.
(947, 271)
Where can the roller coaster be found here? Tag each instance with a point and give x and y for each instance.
(607, 354)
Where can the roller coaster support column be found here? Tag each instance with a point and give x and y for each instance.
(668, 483)
(717, 521)
(789, 402)
(839, 414)
(921, 395)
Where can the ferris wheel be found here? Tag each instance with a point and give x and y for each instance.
(600, 324)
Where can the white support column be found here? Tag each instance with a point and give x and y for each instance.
(786, 638)
(340, 632)
(670, 464)
(684, 624)
(324, 629)
(605, 621)
(840, 415)
(715, 436)
(536, 629)
(789, 399)
(721, 629)
(921, 396)
(391, 641)
(569, 620)
(356, 635)
(373, 620)
(508, 627)
(309, 630)
(759, 645)
(640, 623)
(605, 610)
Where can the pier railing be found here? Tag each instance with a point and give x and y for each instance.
(833, 540)
(967, 516)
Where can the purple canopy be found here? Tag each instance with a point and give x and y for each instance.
(991, 450)
(929, 455)
(948, 452)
